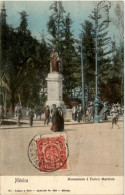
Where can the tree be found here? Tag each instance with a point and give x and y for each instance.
(56, 25)
(113, 76)
(104, 53)
(24, 23)
(17, 48)
(118, 21)
(102, 43)
(70, 59)
(87, 38)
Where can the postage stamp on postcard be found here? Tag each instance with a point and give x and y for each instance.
(49, 152)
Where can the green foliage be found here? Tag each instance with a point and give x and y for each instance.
(102, 42)
(23, 24)
(23, 63)
(88, 43)
(70, 59)
(104, 54)
(56, 23)
(113, 75)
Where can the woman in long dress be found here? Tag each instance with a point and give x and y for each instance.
(58, 121)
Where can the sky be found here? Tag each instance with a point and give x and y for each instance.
(39, 13)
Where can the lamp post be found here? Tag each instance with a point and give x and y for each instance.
(106, 6)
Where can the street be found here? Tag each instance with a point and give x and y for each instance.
(94, 149)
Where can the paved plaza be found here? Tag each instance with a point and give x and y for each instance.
(94, 149)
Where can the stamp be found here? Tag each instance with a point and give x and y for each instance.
(49, 153)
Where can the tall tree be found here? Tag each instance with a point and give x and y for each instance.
(118, 21)
(87, 38)
(56, 25)
(18, 49)
(111, 88)
(103, 41)
(70, 59)
(88, 33)
(113, 74)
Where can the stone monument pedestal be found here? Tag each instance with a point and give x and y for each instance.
(69, 114)
(54, 91)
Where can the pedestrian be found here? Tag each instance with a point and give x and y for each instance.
(53, 109)
(27, 112)
(122, 110)
(79, 112)
(114, 118)
(47, 115)
(58, 120)
(119, 110)
(18, 114)
(61, 119)
(74, 113)
(31, 115)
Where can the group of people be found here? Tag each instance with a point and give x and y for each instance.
(18, 114)
(55, 115)
(77, 112)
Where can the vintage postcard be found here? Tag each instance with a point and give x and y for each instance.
(61, 97)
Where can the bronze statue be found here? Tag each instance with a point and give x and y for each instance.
(55, 61)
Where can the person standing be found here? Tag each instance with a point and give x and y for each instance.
(79, 112)
(47, 115)
(114, 118)
(74, 113)
(53, 109)
(31, 115)
(119, 110)
(61, 119)
(58, 120)
(18, 114)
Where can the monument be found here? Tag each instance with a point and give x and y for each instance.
(54, 83)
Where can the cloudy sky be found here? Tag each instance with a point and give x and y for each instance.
(39, 13)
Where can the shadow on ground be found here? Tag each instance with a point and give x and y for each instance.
(12, 123)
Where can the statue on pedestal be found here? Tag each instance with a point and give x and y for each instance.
(54, 62)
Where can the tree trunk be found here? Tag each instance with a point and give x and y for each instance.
(19, 97)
